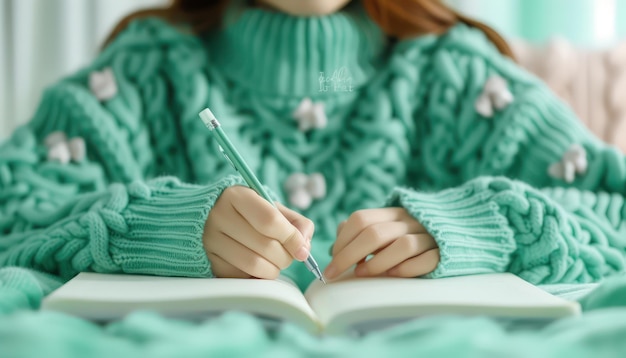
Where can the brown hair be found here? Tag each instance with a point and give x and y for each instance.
(397, 18)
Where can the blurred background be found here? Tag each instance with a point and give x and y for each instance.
(43, 40)
(590, 23)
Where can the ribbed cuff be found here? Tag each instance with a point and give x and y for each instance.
(472, 235)
(164, 224)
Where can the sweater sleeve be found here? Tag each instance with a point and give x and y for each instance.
(495, 224)
(493, 218)
(107, 212)
(528, 139)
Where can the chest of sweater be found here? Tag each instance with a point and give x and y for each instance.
(315, 107)
(325, 156)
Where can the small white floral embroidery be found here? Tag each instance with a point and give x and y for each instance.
(78, 149)
(495, 96)
(316, 186)
(54, 138)
(573, 162)
(303, 189)
(310, 115)
(102, 84)
(61, 150)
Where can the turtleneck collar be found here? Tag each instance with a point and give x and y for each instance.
(278, 54)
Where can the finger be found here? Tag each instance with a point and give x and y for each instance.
(340, 226)
(235, 226)
(242, 232)
(221, 268)
(417, 266)
(270, 222)
(302, 223)
(245, 259)
(403, 248)
(361, 219)
(368, 241)
(367, 217)
(331, 250)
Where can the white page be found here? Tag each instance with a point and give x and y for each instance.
(500, 295)
(104, 297)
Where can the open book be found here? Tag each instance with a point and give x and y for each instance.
(349, 305)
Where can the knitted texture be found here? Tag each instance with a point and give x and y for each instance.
(402, 129)
(101, 214)
(495, 224)
(142, 227)
(22, 288)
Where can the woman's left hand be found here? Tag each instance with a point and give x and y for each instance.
(399, 244)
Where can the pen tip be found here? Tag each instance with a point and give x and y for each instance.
(208, 118)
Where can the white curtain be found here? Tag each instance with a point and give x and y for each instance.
(43, 40)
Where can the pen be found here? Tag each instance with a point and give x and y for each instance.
(235, 159)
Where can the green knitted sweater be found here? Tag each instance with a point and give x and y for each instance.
(401, 129)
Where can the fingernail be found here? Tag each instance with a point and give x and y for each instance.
(360, 271)
(330, 272)
(302, 253)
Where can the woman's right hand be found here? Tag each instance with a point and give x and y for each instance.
(245, 236)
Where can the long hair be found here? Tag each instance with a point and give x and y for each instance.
(398, 18)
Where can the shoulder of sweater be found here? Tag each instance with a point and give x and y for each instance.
(151, 32)
(146, 46)
(460, 38)
(469, 41)
(444, 53)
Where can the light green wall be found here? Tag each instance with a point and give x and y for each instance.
(539, 20)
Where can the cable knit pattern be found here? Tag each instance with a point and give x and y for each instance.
(525, 231)
(523, 140)
(402, 129)
(153, 227)
(414, 124)
(100, 214)
(142, 120)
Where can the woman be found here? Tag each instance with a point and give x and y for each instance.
(399, 128)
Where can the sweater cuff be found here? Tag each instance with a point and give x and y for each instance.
(162, 227)
(473, 237)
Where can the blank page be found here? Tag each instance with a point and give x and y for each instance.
(501, 295)
(105, 297)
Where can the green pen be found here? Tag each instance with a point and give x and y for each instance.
(232, 155)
